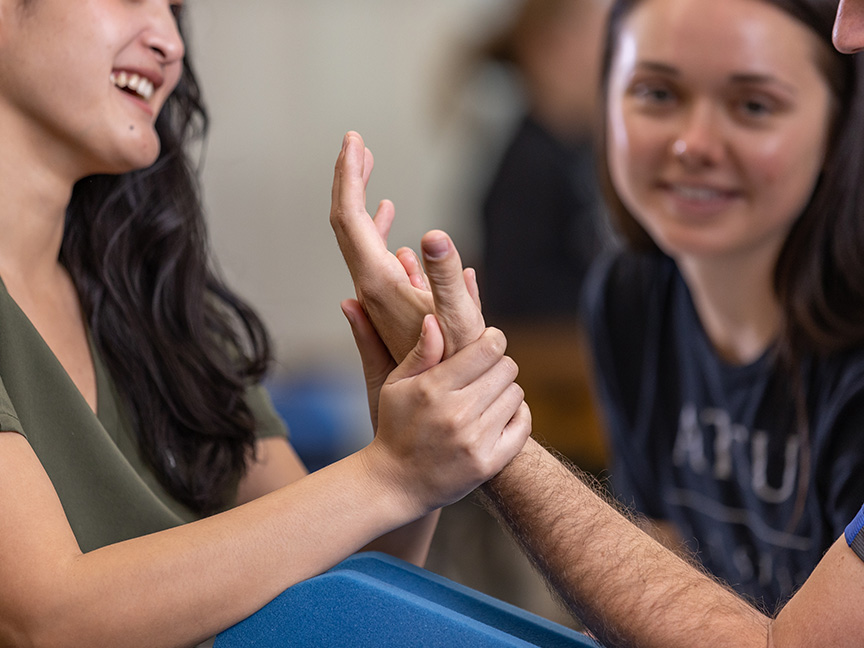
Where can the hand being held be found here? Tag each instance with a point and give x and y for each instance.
(446, 426)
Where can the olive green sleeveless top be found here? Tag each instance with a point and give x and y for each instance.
(107, 491)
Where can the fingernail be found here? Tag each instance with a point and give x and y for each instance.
(345, 141)
(435, 249)
(348, 314)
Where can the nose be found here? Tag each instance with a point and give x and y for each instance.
(698, 142)
(849, 26)
(163, 34)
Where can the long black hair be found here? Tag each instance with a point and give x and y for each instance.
(179, 344)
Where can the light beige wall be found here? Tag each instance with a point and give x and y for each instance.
(284, 79)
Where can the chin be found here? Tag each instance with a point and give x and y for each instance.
(697, 249)
(131, 160)
(146, 155)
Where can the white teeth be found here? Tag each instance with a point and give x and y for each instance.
(142, 86)
(697, 193)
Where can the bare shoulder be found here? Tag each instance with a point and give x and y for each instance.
(828, 610)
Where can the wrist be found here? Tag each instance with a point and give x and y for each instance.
(392, 483)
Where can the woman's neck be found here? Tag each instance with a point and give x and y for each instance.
(33, 201)
(736, 304)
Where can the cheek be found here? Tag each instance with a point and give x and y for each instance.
(173, 74)
(633, 151)
(784, 172)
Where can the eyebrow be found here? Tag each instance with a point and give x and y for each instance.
(765, 79)
(743, 77)
(658, 67)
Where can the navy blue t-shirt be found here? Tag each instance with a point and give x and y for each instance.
(543, 224)
(717, 449)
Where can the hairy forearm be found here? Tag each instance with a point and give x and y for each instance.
(628, 589)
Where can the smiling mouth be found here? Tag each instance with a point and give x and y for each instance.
(134, 84)
(700, 194)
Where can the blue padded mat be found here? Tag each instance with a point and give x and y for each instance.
(373, 599)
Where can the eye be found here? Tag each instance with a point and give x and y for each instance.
(757, 107)
(653, 94)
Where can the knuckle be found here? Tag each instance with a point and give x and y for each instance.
(495, 342)
(337, 214)
(443, 279)
(456, 422)
(515, 394)
(510, 367)
(425, 395)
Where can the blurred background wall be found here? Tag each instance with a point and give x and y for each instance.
(284, 80)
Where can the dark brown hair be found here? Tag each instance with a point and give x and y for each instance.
(180, 345)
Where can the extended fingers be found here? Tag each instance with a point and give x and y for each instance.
(368, 165)
(470, 277)
(350, 176)
(384, 219)
(361, 240)
(412, 267)
(341, 169)
(353, 169)
(455, 307)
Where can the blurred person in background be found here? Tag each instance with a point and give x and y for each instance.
(543, 220)
(726, 336)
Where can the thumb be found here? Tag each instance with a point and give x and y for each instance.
(460, 318)
(427, 353)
